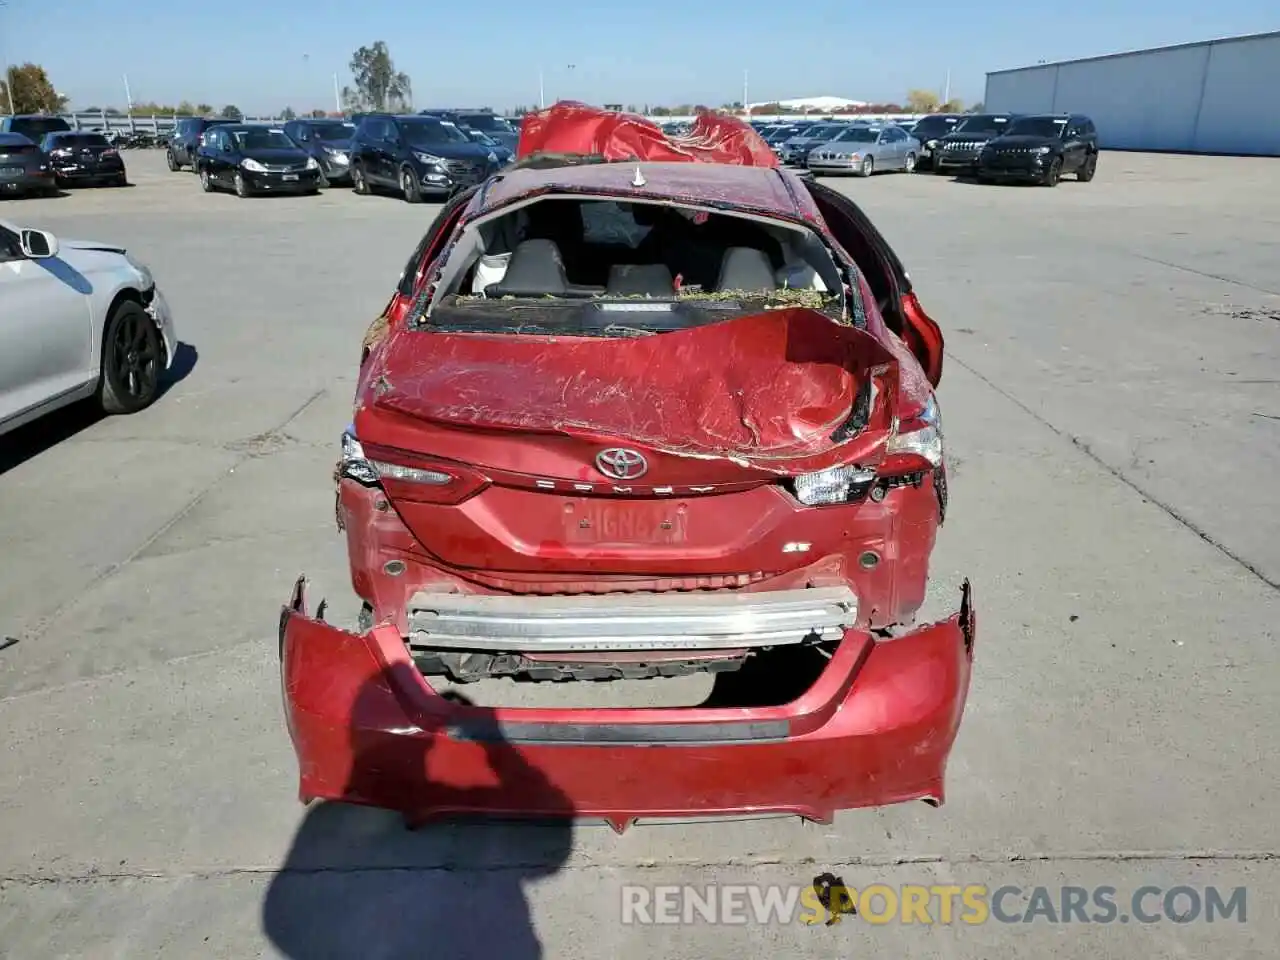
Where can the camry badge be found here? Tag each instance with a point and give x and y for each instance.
(620, 463)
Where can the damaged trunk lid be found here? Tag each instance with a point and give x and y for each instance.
(596, 455)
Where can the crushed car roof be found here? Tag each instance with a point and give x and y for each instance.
(765, 189)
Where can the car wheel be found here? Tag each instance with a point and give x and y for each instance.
(409, 186)
(358, 183)
(1085, 173)
(242, 188)
(1054, 173)
(121, 181)
(170, 159)
(981, 177)
(867, 168)
(131, 355)
(206, 181)
(909, 164)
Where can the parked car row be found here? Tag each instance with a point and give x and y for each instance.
(42, 155)
(988, 147)
(420, 156)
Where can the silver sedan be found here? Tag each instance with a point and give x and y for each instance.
(865, 149)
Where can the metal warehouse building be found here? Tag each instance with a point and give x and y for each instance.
(1215, 96)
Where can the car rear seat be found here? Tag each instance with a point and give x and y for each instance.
(536, 269)
(746, 268)
(640, 279)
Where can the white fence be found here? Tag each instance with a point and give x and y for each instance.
(161, 124)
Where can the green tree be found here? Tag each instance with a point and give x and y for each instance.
(977, 107)
(318, 114)
(232, 112)
(954, 105)
(29, 89)
(186, 109)
(204, 109)
(288, 114)
(378, 85)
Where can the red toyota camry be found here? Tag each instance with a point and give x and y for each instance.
(640, 407)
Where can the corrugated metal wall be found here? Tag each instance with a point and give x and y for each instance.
(1214, 97)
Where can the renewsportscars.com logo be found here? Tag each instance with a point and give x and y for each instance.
(828, 900)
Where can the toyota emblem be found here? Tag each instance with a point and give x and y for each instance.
(621, 463)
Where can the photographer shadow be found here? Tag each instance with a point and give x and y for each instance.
(358, 884)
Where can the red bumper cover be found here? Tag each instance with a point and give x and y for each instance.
(876, 728)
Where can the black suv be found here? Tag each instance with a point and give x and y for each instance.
(958, 151)
(1041, 148)
(181, 151)
(417, 156)
(929, 130)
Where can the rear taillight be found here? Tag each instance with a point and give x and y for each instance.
(110, 153)
(917, 444)
(836, 485)
(406, 475)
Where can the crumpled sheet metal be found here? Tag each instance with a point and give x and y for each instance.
(571, 128)
(759, 389)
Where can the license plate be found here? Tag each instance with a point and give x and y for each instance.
(290, 176)
(600, 522)
(10, 173)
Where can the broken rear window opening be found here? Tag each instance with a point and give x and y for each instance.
(600, 266)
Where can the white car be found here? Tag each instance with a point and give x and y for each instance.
(77, 320)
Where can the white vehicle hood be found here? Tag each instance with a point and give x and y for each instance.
(90, 245)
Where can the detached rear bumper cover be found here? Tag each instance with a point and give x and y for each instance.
(876, 728)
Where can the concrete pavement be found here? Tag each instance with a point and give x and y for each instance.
(1111, 405)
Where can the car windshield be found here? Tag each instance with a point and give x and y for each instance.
(934, 126)
(827, 131)
(982, 123)
(858, 135)
(485, 121)
(263, 140)
(333, 131)
(425, 133)
(1037, 127)
(480, 137)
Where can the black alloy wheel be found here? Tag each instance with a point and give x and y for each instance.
(131, 355)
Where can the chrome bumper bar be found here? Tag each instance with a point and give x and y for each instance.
(617, 622)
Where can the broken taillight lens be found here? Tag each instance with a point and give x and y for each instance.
(835, 485)
(399, 475)
(362, 469)
(917, 444)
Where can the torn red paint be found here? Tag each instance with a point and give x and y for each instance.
(576, 128)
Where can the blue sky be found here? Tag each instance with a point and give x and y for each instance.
(266, 55)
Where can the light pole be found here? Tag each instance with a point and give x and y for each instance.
(8, 76)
